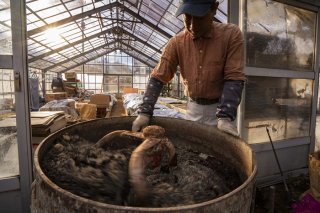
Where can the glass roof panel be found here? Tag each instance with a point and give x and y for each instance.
(37, 5)
(40, 64)
(141, 58)
(32, 18)
(33, 46)
(71, 5)
(40, 50)
(150, 14)
(61, 31)
(70, 52)
(222, 11)
(54, 58)
(69, 64)
(56, 69)
(57, 10)
(59, 58)
(143, 48)
(80, 59)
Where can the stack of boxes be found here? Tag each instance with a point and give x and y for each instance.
(71, 85)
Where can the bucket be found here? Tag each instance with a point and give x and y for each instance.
(49, 197)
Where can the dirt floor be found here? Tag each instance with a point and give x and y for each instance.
(276, 199)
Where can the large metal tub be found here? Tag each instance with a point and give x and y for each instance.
(48, 197)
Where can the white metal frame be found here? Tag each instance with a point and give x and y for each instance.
(21, 184)
(288, 146)
(19, 48)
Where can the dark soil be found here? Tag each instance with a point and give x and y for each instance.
(281, 201)
(102, 175)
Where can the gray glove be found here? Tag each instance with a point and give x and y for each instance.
(226, 125)
(140, 122)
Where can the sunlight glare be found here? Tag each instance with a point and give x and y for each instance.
(52, 35)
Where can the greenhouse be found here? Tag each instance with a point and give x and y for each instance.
(229, 91)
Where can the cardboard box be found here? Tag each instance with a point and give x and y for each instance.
(71, 76)
(130, 90)
(55, 96)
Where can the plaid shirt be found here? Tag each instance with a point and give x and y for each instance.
(206, 62)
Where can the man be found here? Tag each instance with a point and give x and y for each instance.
(211, 60)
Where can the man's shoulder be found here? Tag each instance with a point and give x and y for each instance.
(225, 26)
(180, 34)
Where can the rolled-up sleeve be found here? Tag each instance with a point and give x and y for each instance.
(168, 63)
(234, 64)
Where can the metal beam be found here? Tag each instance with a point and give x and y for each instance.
(122, 30)
(77, 56)
(72, 18)
(153, 26)
(116, 19)
(116, 48)
(140, 40)
(91, 37)
(138, 51)
(102, 46)
(69, 45)
(97, 10)
(139, 59)
(97, 56)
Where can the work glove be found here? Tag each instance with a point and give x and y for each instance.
(140, 122)
(226, 125)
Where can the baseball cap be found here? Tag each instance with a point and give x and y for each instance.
(194, 7)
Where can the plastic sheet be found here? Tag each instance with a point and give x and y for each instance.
(131, 102)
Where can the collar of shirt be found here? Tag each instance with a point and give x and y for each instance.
(208, 34)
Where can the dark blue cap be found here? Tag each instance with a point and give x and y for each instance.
(195, 7)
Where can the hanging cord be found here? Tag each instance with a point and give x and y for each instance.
(278, 163)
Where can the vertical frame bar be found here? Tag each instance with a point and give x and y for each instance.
(19, 47)
(234, 12)
(315, 88)
(43, 76)
(235, 16)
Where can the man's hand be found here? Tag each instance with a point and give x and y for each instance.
(226, 125)
(140, 122)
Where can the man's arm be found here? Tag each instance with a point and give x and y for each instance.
(150, 97)
(162, 74)
(234, 78)
(230, 99)
(146, 108)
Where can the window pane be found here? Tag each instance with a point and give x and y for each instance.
(9, 163)
(111, 88)
(123, 86)
(125, 79)
(281, 34)
(5, 28)
(281, 104)
(111, 79)
(113, 69)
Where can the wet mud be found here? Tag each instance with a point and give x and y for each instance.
(101, 174)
